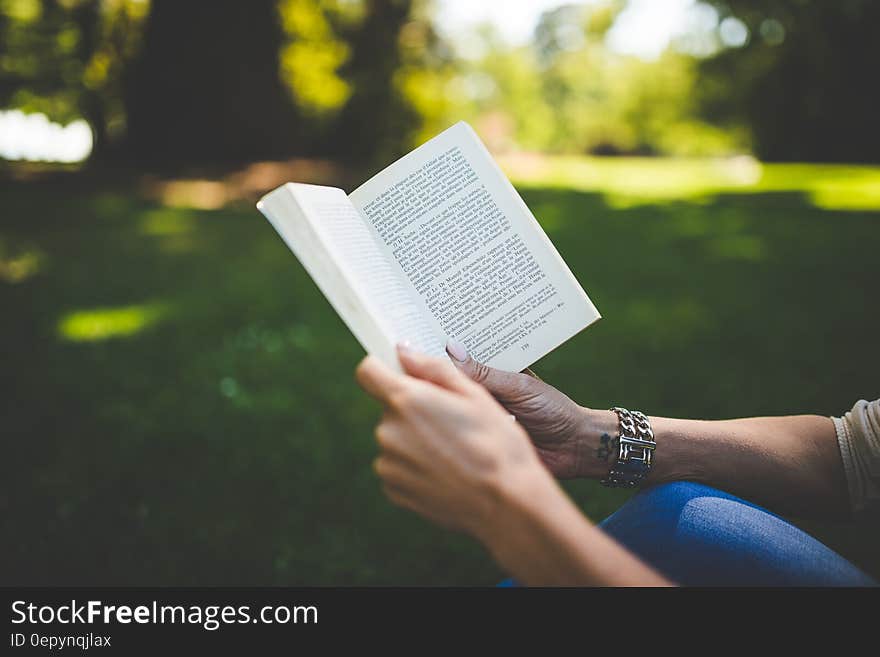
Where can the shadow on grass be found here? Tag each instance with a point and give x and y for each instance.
(200, 425)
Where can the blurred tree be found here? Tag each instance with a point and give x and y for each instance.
(175, 85)
(359, 70)
(206, 87)
(567, 92)
(377, 121)
(580, 78)
(505, 89)
(424, 80)
(65, 58)
(214, 86)
(568, 27)
(805, 82)
(314, 51)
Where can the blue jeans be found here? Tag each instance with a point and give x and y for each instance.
(700, 536)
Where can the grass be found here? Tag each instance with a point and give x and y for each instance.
(178, 405)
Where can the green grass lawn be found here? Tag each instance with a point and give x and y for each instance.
(178, 404)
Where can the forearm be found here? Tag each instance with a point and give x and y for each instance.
(789, 464)
(541, 538)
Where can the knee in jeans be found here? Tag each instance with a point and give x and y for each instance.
(675, 494)
(700, 514)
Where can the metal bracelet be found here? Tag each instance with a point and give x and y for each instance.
(635, 449)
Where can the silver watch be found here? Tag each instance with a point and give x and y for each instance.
(635, 449)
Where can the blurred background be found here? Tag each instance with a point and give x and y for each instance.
(177, 398)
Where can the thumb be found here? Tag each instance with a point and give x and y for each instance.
(498, 382)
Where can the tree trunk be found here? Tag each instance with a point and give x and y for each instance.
(376, 120)
(205, 89)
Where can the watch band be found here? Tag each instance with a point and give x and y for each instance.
(635, 449)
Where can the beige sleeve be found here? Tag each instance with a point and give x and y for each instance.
(858, 435)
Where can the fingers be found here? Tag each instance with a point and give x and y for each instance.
(396, 473)
(398, 497)
(378, 380)
(501, 384)
(435, 370)
(397, 482)
(395, 442)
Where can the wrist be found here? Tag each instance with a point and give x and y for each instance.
(593, 441)
(518, 496)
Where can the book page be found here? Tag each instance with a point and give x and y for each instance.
(472, 253)
(329, 237)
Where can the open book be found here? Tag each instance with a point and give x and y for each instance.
(438, 245)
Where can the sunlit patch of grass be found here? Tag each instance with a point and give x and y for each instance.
(18, 266)
(97, 324)
(636, 179)
(174, 228)
(164, 223)
(847, 195)
(630, 182)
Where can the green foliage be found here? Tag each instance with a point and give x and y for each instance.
(66, 58)
(172, 85)
(161, 82)
(804, 85)
(568, 93)
(180, 407)
(424, 78)
(310, 61)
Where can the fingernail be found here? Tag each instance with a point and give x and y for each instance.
(406, 346)
(457, 350)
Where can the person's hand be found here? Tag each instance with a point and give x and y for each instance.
(449, 451)
(566, 435)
